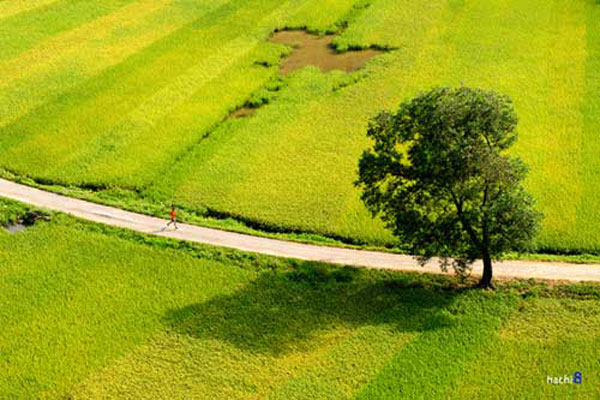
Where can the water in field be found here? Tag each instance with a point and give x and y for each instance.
(15, 228)
(316, 51)
(319, 52)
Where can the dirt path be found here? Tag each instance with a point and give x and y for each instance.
(371, 259)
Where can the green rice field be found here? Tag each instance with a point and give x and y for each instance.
(135, 95)
(90, 312)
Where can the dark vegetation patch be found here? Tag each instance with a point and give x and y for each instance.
(261, 97)
(320, 52)
(15, 217)
(566, 251)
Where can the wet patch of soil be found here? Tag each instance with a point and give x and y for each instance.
(15, 228)
(243, 112)
(319, 52)
(25, 221)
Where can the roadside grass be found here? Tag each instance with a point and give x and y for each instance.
(91, 311)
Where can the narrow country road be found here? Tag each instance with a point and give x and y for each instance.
(361, 258)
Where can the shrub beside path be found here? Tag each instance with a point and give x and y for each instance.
(359, 258)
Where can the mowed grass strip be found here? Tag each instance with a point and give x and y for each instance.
(98, 104)
(177, 115)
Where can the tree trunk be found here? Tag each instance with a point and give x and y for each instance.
(486, 279)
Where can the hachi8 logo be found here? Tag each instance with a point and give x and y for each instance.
(565, 379)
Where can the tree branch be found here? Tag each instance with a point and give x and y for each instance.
(463, 220)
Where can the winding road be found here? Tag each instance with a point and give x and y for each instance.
(359, 258)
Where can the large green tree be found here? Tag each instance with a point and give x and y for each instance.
(439, 176)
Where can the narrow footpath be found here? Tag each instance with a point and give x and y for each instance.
(359, 258)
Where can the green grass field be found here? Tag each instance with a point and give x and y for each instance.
(95, 312)
(135, 94)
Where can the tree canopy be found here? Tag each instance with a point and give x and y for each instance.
(439, 176)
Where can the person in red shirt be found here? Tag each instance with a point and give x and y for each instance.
(173, 219)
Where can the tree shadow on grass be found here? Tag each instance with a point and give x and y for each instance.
(281, 311)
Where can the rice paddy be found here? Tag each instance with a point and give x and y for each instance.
(257, 111)
(137, 95)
